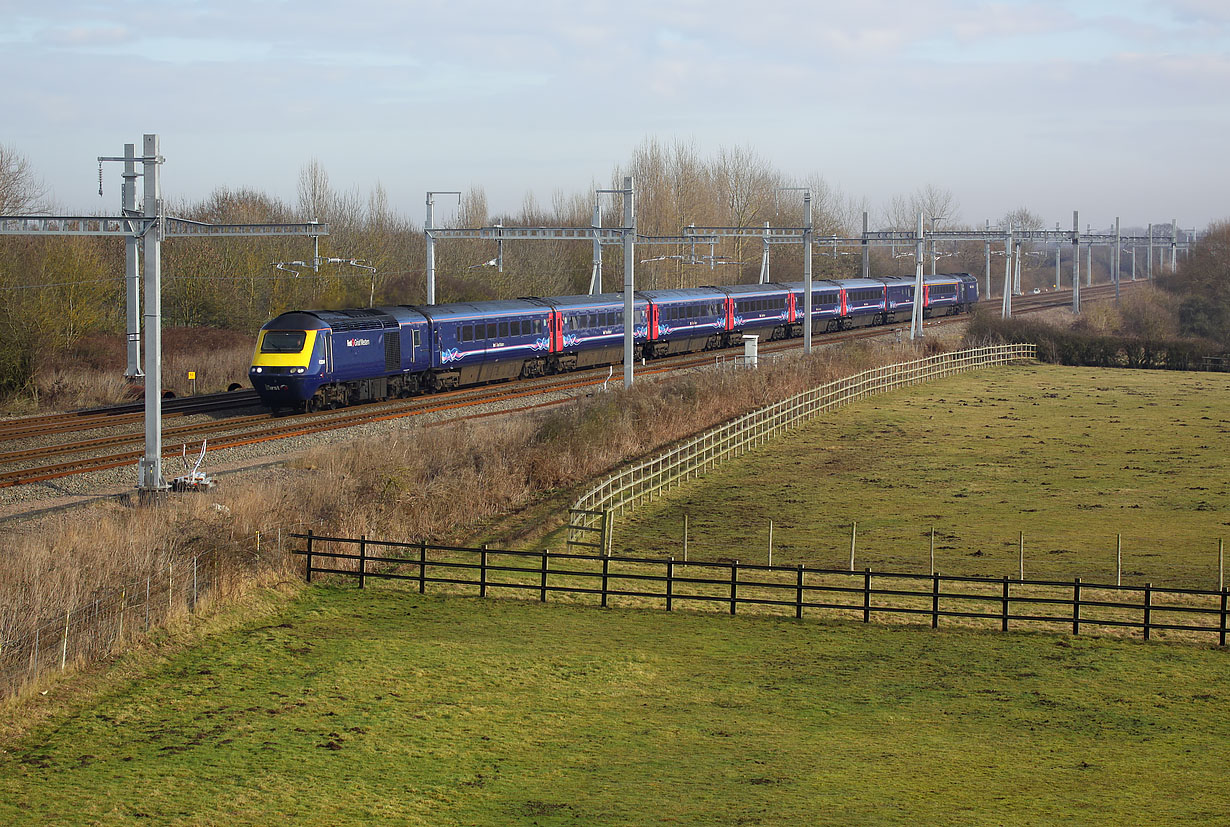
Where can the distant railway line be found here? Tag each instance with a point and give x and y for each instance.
(31, 449)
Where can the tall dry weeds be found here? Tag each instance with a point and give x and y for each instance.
(439, 484)
(90, 373)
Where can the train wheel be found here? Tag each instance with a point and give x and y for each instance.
(313, 405)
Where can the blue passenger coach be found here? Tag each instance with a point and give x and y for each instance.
(826, 306)
(475, 342)
(763, 310)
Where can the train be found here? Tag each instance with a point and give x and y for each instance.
(310, 360)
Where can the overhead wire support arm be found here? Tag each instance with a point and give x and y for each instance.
(148, 225)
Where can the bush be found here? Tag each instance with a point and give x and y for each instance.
(1082, 346)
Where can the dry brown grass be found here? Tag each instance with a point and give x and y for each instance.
(440, 484)
(91, 372)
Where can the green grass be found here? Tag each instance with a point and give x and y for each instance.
(1069, 456)
(348, 707)
(337, 706)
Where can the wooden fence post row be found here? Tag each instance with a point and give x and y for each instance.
(670, 594)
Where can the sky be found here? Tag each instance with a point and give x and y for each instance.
(1111, 108)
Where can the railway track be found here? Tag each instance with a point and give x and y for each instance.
(47, 460)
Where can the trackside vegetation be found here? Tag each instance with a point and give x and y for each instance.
(349, 707)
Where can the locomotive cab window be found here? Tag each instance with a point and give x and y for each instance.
(283, 341)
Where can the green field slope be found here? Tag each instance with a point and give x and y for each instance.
(1071, 457)
(383, 706)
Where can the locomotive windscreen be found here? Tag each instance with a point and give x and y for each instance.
(283, 341)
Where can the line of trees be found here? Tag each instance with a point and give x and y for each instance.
(58, 289)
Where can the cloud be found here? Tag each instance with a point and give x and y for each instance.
(99, 35)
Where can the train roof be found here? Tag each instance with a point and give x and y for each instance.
(470, 310)
(816, 284)
(748, 289)
(693, 294)
(596, 301)
(360, 318)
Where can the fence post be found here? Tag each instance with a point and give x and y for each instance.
(119, 634)
(734, 585)
(1076, 606)
(482, 572)
(194, 589)
(34, 673)
(64, 645)
(1004, 618)
(606, 563)
(1221, 638)
(798, 601)
(542, 594)
(170, 589)
(670, 582)
(867, 595)
(362, 560)
(309, 556)
(935, 600)
(422, 566)
(1148, 606)
(147, 579)
(853, 538)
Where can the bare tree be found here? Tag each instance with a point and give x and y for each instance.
(315, 195)
(21, 190)
(1022, 218)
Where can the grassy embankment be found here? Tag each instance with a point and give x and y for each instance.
(348, 707)
(441, 484)
(355, 708)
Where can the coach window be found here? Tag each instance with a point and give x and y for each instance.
(492, 327)
(503, 334)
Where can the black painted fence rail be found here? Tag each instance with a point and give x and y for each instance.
(1057, 603)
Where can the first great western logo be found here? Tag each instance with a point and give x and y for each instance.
(358, 342)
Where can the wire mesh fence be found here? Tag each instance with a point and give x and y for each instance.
(32, 646)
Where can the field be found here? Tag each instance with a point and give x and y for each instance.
(348, 707)
(1070, 457)
(327, 705)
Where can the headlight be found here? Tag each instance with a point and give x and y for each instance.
(256, 370)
